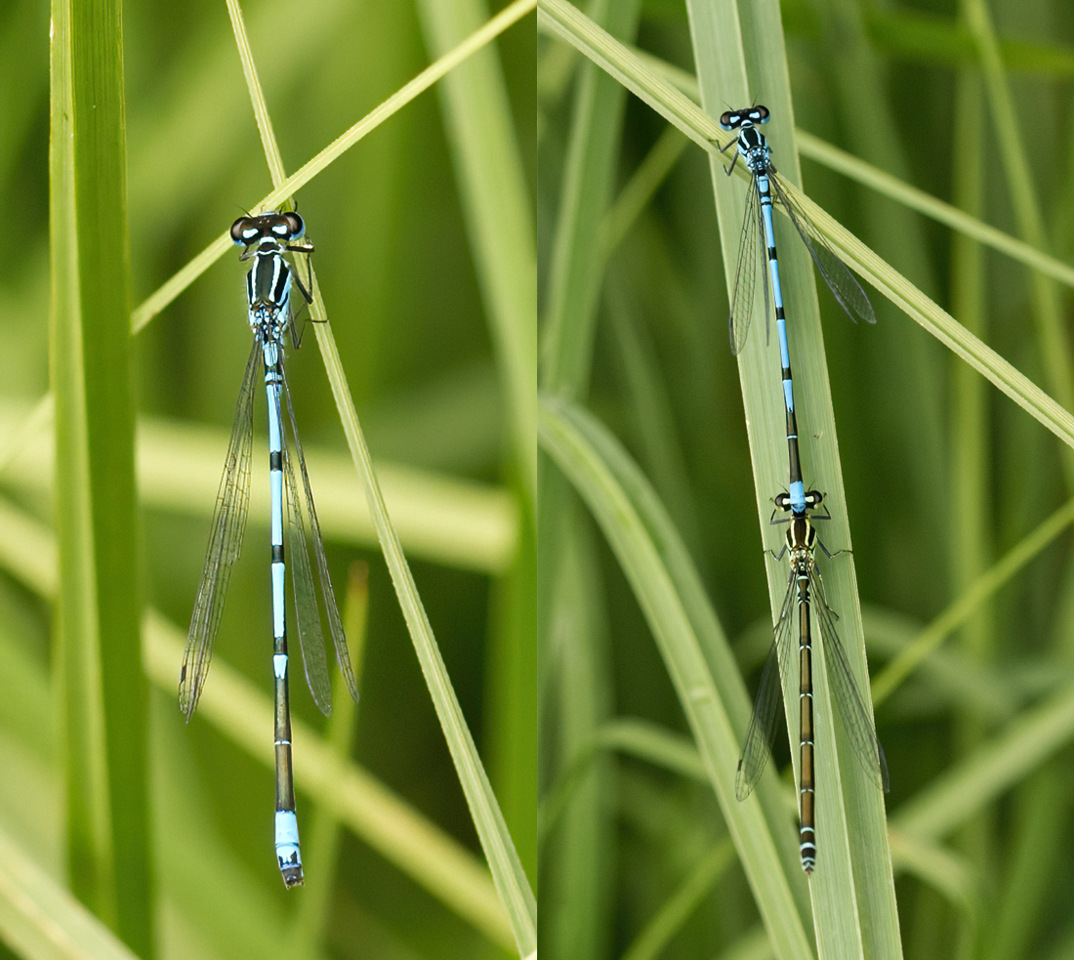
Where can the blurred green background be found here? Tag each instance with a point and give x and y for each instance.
(395, 265)
(943, 475)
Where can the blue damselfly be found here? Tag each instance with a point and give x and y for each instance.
(267, 240)
(805, 596)
(758, 233)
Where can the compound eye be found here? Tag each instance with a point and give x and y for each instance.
(730, 120)
(759, 114)
(295, 225)
(243, 231)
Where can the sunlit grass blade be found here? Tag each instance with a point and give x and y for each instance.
(160, 299)
(109, 847)
(242, 711)
(440, 518)
(257, 95)
(41, 920)
(495, 838)
(496, 841)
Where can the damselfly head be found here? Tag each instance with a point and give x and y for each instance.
(278, 226)
(747, 116)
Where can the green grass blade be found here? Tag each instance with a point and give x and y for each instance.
(576, 647)
(857, 866)
(159, 447)
(686, 632)
(314, 923)
(1054, 344)
(577, 836)
(951, 492)
(997, 765)
(490, 173)
(440, 518)
(574, 273)
(257, 95)
(157, 301)
(105, 700)
(436, 412)
(695, 891)
(645, 83)
(42, 921)
(715, 46)
(488, 819)
(241, 712)
(574, 27)
(914, 198)
(633, 738)
(369, 810)
(963, 607)
(495, 839)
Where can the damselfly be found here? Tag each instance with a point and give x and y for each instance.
(266, 240)
(758, 231)
(805, 595)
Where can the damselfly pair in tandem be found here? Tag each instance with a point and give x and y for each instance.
(267, 240)
(804, 594)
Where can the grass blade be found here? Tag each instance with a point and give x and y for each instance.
(160, 299)
(496, 841)
(686, 632)
(495, 838)
(490, 173)
(645, 83)
(28, 895)
(489, 169)
(105, 699)
(851, 820)
(576, 650)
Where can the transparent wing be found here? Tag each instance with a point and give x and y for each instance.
(307, 615)
(749, 248)
(762, 729)
(856, 718)
(304, 539)
(225, 542)
(843, 284)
